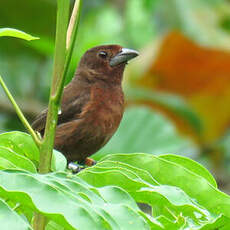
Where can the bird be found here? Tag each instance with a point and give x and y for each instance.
(92, 104)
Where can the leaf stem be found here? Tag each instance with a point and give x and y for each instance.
(35, 137)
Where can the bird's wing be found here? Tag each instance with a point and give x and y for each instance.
(65, 131)
(68, 112)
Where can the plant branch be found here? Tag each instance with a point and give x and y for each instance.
(29, 107)
(35, 137)
(39, 222)
(46, 148)
(70, 42)
(72, 24)
(59, 62)
(62, 59)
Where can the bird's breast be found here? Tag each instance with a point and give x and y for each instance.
(105, 109)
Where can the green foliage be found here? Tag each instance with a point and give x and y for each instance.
(173, 103)
(10, 219)
(20, 143)
(178, 189)
(71, 202)
(181, 192)
(18, 150)
(59, 161)
(9, 32)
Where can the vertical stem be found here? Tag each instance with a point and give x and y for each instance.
(62, 57)
(46, 147)
(61, 66)
(54, 102)
(72, 24)
(70, 42)
(39, 222)
(60, 43)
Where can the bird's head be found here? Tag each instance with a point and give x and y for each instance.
(106, 62)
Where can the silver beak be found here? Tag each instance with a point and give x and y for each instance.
(123, 56)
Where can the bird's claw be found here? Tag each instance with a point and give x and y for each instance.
(75, 168)
(89, 162)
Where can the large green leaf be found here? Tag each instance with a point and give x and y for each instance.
(10, 219)
(15, 160)
(71, 202)
(191, 165)
(18, 150)
(58, 162)
(20, 143)
(170, 185)
(145, 130)
(9, 32)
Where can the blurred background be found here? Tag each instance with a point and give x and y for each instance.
(178, 90)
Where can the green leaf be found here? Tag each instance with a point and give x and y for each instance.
(58, 162)
(221, 222)
(10, 219)
(191, 165)
(18, 149)
(72, 203)
(18, 161)
(9, 32)
(173, 103)
(53, 226)
(172, 187)
(6, 164)
(145, 130)
(193, 184)
(20, 143)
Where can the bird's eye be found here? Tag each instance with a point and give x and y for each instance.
(103, 54)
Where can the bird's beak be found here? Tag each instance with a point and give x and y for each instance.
(123, 56)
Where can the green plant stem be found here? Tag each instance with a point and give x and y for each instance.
(70, 43)
(73, 24)
(62, 65)
(54, 102)
(39, 222)
(46, 147)
(35, 137)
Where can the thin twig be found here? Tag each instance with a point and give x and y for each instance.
(37, 140)
(70, 43)
(72, 22)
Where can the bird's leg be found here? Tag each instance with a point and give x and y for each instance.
(89, 162)
(75, 168)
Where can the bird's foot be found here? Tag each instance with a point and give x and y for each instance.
(89, 162)
(75, 168)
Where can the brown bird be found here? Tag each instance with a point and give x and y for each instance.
(92, 103)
